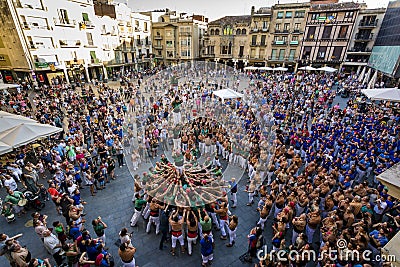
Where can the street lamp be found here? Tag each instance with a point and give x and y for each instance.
(216, 61)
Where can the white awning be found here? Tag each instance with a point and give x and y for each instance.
(388, 94)
(227, 94)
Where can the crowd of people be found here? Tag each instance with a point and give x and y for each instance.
(311, 163)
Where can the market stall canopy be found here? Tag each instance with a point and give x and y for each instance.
(390, 179)
(391, 251)
(8, 86)
(227, 94)
(327, 69)
(308, 68)
(9, 120)
(265, 68)
(21, 132)
(250, 68)
(280, 69)
(389, 94)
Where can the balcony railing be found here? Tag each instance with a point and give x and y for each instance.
(364, 37)
(294, 42)
(276, 58)
(360, 50)
(158, 37)
(70, 43)
(296, 32)
(158, 47)
(278, 42)
(64, 22)
(185, 34)
(88, 24)
(367, 24)
(95, 61)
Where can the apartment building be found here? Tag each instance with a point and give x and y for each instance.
(329, 28)
(286, 33)
(258, 36)
(59, 39)
(227, 41)
(133, 32)
(366, 29)
(177, 37)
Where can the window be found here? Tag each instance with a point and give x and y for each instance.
(315, 16)
(217, 32)
(244, 31)
(300, 14)
(327, 32)
(212, 32)
(292, 54)
(89, 38)
(282, 54)
(311, 33)
(277, 26)
(337, 53)
(343, 32)
(265, 25)
(253, 39)
(306, 52)
(279, 15)
(169, 43)
(274, 53)
(85, 16)
(349, 15)
(286, 26)
(185, 53)
(263, 37)
(295, 38)
(321, 52)
(284, 39)
(241, 51)
(145, 27)
(63, 15)
(238, 32)
(288, 14)
(276, 38)
(228, 30)
(185, 42)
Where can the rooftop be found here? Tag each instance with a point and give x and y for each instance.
(232, 20)
(336, 6)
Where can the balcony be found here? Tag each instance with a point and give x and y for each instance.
(254, 30)
(158, 47)
(158, 37)
(281, 32)
(185, 34)
(294, 42)
(297, 32)
(62, 22)
(34, 26)
(254, 44)
(70, 43)
(139, 43)
(364, 37)
(276, 58)
(95, 61)
(226, 55)
(368, 24)
(208, 55)
(359, 50)
(279, 42)
(264, 29)
(87, 24)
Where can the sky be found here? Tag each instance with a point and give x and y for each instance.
(214, 9)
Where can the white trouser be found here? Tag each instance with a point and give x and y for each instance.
(146, 211)
(177, 117)
(261, 222)
(135, 217)
(177, 144)
(222, 224)
(251, 195)
(156, 221)
(174, 239)
(207, 149)
(208, 258)
(214, 218)
(232, 235)
(129, 264)
(234, 199)
(201, 147)
(191, 241)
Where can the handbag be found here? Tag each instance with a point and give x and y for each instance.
(22, 202)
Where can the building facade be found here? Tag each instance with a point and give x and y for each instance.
(227, 41)
(286, 33)
(329, 27)
(259, 35)
(176, 37)
(365, 31)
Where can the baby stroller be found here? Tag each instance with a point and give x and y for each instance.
(6, 211)
(34, 201)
